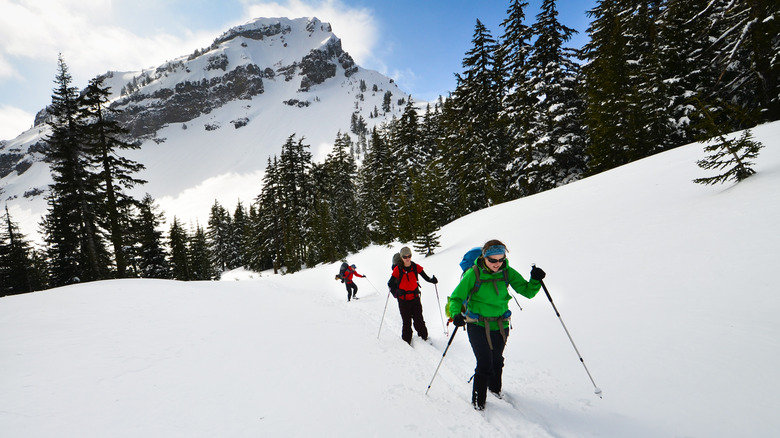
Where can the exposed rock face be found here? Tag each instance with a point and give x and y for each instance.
(240, 64)
(144, 114)
(319, 65)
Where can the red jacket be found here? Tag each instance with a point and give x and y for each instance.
(408, 279)
(349, 273)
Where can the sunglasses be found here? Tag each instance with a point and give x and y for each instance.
(492, 260)
(406, 257)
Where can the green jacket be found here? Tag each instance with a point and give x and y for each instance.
(492, 298)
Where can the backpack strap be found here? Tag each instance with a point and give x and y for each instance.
(402, 271)
(473, 317)
(478, 281)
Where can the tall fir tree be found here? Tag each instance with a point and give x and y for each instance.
(295, 190)
(377, 181)
(553, 153)
(744, 50)
(239, 235)
(219, 238)
(425, 238)
(201, 267)
(152, 258)
(324, 239)
(106, 141)
(606, 74)
(341, 194)
(268, 228)
(75, 243)
(687, 72)
(516, 47)
(475, 140)
(406, 154)
(18, 271)
(179, 258)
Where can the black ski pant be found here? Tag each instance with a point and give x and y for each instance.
(411, 310)
(351, 290)
(490, 363)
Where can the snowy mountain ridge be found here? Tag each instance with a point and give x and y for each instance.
(219, 113)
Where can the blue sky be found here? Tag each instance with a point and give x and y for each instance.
(419, 43)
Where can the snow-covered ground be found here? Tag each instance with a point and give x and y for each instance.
(667, 288)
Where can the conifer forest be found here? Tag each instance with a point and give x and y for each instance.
(528, 114)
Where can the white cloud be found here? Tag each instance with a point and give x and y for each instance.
(195, 203)
(13, 121)
(89, 33)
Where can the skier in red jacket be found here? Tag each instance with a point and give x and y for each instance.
(403, 285)
(351, 286)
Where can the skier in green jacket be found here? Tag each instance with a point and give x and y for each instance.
(486, 313)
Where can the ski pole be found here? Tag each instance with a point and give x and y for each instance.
(440, 314)
(383, 315)
(442, 359)
(598, 391)
(372, 285)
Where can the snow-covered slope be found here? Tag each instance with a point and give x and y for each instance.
(667, 288)
(210, 120)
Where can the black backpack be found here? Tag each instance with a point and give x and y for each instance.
(342, 270)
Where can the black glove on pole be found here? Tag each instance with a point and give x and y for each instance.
(558, 314)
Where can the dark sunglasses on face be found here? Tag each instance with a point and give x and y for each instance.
(406, 257)
(492, 260)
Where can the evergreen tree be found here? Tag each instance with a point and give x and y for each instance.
(17, 268)
(554, 154)
(324, 239)
(179, 259)
(152, 257)
(342, 196)
(730, 155)
(296, 194)
(745, 52)
(268, 226)
(406, 154)
(252, 253)
(239, 236)
(201, 267)
(687, 72)
(377, 180)
(105, 139)
(387, 102)
(425, 221)
(515, 48)
(219, 238)
(75, 243)
(475, 141)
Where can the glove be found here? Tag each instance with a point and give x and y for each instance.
(459, 320)
(434, 280)
(537, 274)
